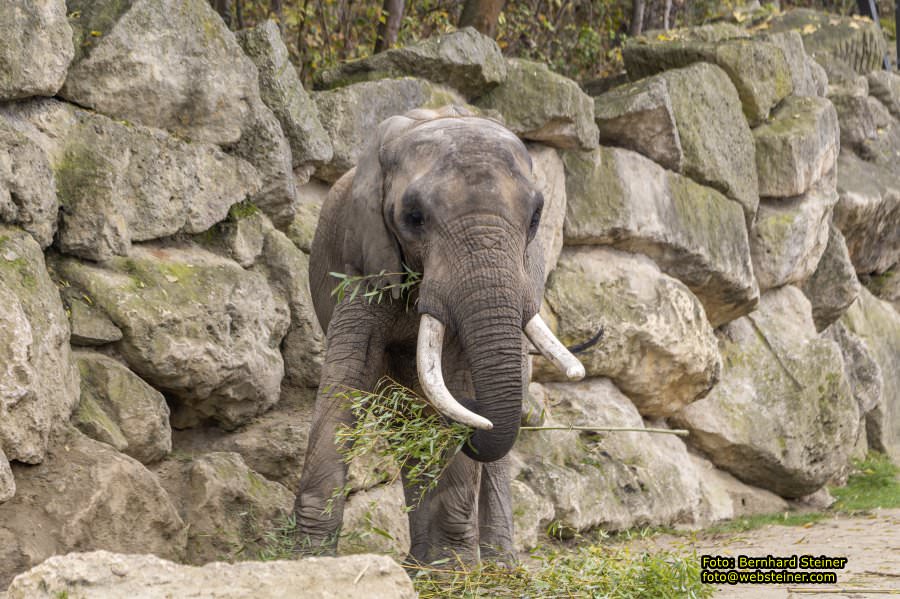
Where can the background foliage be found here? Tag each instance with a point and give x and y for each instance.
(578, 38)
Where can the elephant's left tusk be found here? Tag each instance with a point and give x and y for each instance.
(553, 349)
(428, 363)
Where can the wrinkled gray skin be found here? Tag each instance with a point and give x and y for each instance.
(453, 197)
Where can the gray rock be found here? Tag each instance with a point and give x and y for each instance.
(283, 93)
(91, 327)
(7, 482)
(303, 346)
(350, 114)
(27, 187)
(878, 325)
(38, 378)
(658, 346)
(114, 576)
(782, 417)
(807, 75)
(531, 515)
(120, 183)
(119, 409)
(264, 145)
(860, 367)
(540, 105)
(465, 60)
(196, 326)
(868, 211)
(170, 64)
(37, 48)
(694, 233)
(375, 521)
(857, 116)
(273, 444)
(885, 86)
(833, 286)
(798, 146)
(227, 506)
(791, 235)
(856, 41)
(614, 481)
(885, 286)
(310, 196)
(717, 143)
(550, 176)
(727, 498)
(85, 495)
(757, 69)
(639, 116)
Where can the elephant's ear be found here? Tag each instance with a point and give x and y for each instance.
(369, 247)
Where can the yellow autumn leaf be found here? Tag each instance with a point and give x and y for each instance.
(809, 28)
(96, 33)
(854, 25)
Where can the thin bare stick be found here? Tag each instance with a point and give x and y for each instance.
(609, 429)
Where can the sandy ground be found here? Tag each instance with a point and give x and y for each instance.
(870, 543)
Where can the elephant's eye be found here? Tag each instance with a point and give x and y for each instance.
(535, 221)
(414, 219)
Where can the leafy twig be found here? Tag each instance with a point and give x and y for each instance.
(353, 284)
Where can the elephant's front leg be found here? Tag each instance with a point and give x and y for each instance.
(355, 359)
(495, 517)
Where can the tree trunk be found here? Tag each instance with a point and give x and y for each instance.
(223, 7)
(482, 15)
(666, 14)
(637, 18)
(390, 27)
(276, 7)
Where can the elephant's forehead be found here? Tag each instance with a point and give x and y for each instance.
(464, 133)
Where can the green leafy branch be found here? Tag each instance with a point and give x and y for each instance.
(392, 421)
(352, 285)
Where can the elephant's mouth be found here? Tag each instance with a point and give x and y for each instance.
(428, 364)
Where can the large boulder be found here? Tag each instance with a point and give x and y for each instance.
(550, 176)
(658, 346)
(614, 481)
(808, 76)
(833, 286)
(84, 496)
(727, 498)
(694, 233)
(640, 116)
(540, 105)
(885, 86)
(351, 114)
(273, 444)
(114, 576)
(868, 212)
(36, 48)
(283, 93)
(797, 146)
(27, 187)
(855, 41)
(757, 69)
(119, 183)
(783, 416)
(121, 410)
(227, 506)
(310, 198)
(38, 378)
(862, 371)
(170, 64)
(195, 325)
(376, 521)
(791, 235)
(90, 326)
(465, 60)
(878, 325)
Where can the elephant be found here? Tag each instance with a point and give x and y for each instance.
(450, 195)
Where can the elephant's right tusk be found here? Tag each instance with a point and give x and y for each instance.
(428, 362)
(553, 349)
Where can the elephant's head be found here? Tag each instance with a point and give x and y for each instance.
(453, 196)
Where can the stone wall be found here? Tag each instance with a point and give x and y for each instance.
(730, 217)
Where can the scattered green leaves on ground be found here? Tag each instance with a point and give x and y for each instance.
(352, 285)
(393, 421)
(581, 572)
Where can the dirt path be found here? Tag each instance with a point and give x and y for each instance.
(871, 545)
